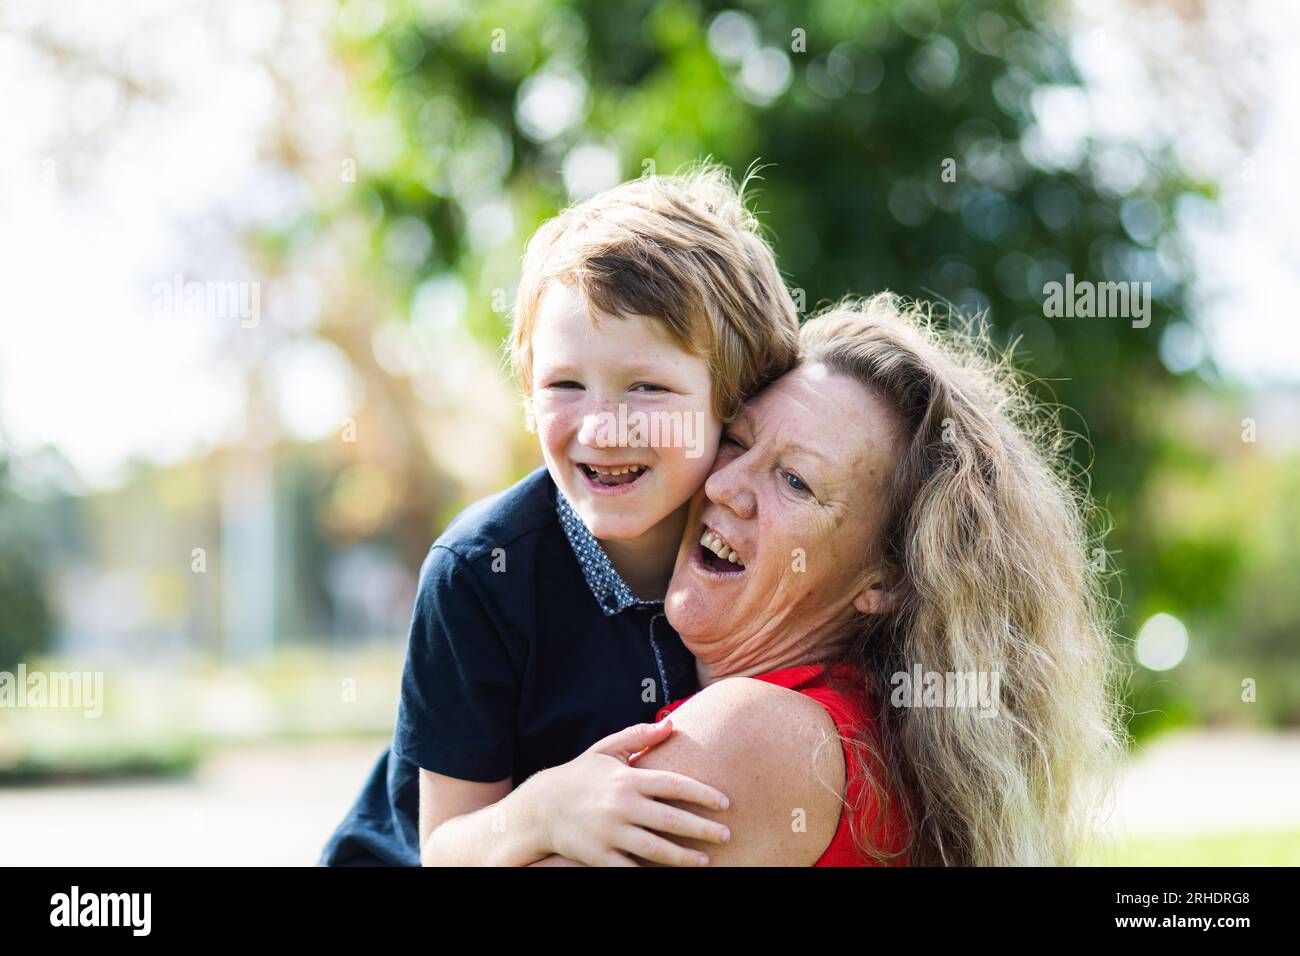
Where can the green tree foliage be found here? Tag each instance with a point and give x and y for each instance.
(901, 146)
(900, 155)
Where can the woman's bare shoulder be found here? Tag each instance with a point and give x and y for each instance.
(753, 700)
(775, 753)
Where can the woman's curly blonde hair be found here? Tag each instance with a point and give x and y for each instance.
(986, 544)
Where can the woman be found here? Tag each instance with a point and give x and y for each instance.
(894, 507)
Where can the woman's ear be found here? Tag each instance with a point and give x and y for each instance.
(877, 596)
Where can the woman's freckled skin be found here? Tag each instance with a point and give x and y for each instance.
(750, 500)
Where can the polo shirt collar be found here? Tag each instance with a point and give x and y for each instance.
(607, 585)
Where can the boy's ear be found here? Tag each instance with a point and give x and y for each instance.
(879, 595)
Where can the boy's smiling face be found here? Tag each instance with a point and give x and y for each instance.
(625, 469)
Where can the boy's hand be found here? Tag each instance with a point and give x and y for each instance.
(597, 809)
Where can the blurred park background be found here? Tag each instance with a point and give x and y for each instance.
(221, 503)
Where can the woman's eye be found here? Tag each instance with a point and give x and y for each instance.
(795, 482)
(732, 440)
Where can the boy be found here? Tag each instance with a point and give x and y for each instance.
(645, 317)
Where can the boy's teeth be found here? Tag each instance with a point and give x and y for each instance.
(629, 470)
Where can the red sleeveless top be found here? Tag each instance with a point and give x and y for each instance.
(849, 712)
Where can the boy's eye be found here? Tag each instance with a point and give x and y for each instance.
(648, 387)
(564, 384)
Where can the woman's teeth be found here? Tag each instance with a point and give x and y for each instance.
(714, 542)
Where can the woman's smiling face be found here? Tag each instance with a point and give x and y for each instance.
(780, 542)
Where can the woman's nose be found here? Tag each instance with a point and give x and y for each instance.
(731, 487)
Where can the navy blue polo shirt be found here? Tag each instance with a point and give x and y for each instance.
(526, 647)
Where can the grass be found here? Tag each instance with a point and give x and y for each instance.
(1237, 849)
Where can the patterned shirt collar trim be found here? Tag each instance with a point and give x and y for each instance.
(607, 585)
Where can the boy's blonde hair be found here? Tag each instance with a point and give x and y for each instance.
(684, 250)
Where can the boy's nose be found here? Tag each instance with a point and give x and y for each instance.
(599, 429)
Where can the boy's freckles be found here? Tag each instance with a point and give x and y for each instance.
(624, 414)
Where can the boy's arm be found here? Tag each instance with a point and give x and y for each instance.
(597, 809)
(457, 712)
(456, 720)
(463, 823)
(767, 746)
